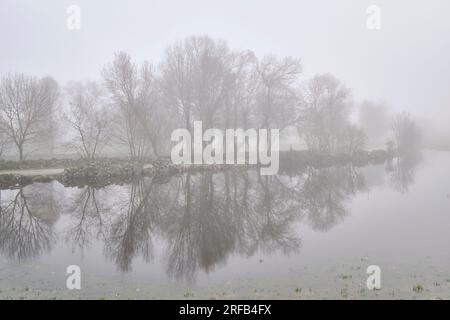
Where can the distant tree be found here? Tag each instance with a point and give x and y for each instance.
(134, 94)
(353, 139)
(50, 135)
(4, 141)
(277, 99)
(197, 79)
(26, 105)
(239, 112)
(177, 87)
(324, 115)
(406, 133)
(155, 119)
(89, 117)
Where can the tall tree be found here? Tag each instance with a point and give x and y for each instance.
(406, 133)
(89, 118)
(325, 113)
(26, 105)
(277, 99)
(245, 83)
(197, 78)
(133, 90)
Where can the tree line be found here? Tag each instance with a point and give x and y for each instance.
(202, 218)
(135, 106)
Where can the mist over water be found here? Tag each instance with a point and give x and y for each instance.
(93, 96)
(204, 228)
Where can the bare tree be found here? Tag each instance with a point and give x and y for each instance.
(406, 133)
(89, 117)
(133, 91)
(197, 78)
(277, 98)
(240, 111)
(353, 139)
(4, 141)
(25, 106)
(324, 113)
(154, 120)
(177, 87)
(49, 136)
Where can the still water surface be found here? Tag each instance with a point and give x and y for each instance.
(306, 232)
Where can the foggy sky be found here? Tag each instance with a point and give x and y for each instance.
(406, 63)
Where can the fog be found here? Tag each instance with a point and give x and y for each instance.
(405, 62)
(316, 127)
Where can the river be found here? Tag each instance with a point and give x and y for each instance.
(304, 233)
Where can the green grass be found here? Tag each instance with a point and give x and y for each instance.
(418, 288)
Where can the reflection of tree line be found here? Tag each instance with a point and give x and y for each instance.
(326, 192)
(201, 218)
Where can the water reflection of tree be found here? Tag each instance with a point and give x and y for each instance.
(26, 222)
(402, 171)
(217, 215)
(198, 231)
(326, 192)
(277, 211)
(204, 218)
(129, 235)
(88, 212)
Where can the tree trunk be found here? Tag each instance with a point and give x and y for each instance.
(20, 152)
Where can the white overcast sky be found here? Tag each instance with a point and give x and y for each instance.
(406, 63)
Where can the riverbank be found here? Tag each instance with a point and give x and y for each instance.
(105, 171)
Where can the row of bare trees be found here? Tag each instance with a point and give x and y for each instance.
(136, 106)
